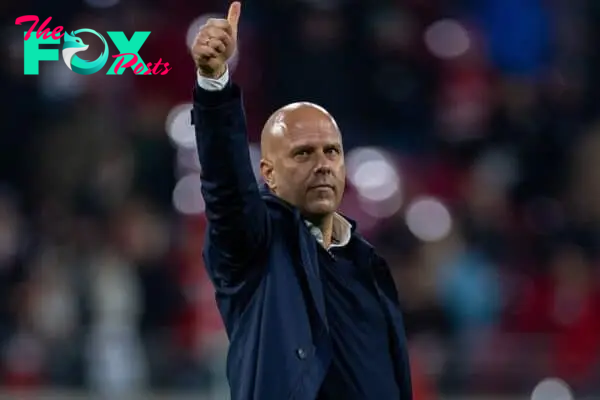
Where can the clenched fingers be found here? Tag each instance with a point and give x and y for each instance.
(205, 52)
(217, 36)
(210, 48)
(214, 38)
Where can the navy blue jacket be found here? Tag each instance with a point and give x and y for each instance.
(262, 260)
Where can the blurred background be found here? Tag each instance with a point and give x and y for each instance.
(472, 139)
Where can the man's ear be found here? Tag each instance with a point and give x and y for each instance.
(267, 172)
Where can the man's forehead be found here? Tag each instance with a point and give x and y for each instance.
(312, 137)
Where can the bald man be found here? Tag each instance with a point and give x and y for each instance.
(310, 309)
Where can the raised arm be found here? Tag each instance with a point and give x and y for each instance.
(237, 216)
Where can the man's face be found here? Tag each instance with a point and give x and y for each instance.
(308, 169)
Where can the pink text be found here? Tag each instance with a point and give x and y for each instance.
(42, 29)
(140, 67)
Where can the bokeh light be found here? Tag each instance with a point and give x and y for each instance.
(187, 195)
(373, 175)
(552, 389)
(447, 39)
(179, 126)
(428, 219)
(187, 162)
(384, 208)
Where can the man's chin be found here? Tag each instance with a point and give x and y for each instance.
(322, 207)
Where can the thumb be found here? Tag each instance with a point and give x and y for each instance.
(233, 17)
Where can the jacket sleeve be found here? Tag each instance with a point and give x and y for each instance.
(238, 223)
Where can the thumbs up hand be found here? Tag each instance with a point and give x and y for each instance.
(216, 43)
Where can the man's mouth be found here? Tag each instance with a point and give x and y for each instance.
(323, 186)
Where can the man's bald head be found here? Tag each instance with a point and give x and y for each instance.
(302, 157)
(293, 119)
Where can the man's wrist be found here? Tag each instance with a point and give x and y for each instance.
(213, 74)
(213, 84)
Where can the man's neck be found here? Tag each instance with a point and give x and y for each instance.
(325, 224)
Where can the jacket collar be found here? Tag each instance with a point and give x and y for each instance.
(342, 231)
(362, 250)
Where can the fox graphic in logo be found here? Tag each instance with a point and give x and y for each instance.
(73, 44)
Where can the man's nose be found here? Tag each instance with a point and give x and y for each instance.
(323, 165)
(323, 169)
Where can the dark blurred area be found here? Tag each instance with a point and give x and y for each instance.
(472, 135)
